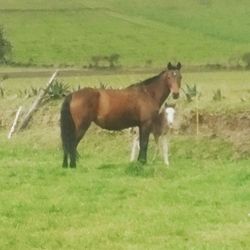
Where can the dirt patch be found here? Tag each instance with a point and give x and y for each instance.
(233, 127)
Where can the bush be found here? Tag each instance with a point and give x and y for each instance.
(190, 92)
(57, 90)
(246, 59)
(218, 95)
(1, 91)
(111, 61)
(5, 48)
(28, 93)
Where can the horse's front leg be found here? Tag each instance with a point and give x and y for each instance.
(65, 160)
(144, 132)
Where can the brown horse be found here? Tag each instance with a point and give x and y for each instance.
(113, 109)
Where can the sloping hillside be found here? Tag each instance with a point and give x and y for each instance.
(63, 32)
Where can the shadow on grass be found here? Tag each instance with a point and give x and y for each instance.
(137, 169)
(134, 169)
(108, 166)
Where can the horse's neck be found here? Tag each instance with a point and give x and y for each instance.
(158, 91)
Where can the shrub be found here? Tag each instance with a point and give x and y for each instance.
(111, 61)
(190, 92)
(246, 59)
(5, 48)
(218, 95)
(96, 61)
(28, 93)
(57, 90)
(1, 91)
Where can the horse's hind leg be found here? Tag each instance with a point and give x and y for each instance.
(72, 157)
(80, 133)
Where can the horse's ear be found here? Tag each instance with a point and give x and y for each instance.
(178, 66)
(169, 66)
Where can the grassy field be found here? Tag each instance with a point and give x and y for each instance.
(200, 202)
(70, 33)
(234, 86)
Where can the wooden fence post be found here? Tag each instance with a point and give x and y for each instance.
(197, 115)
(12, 130)
(35, 104)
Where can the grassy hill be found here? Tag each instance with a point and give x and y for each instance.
(71, 32)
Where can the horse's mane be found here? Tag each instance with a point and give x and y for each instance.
(147, 81)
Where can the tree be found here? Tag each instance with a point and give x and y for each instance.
(96, 60)
(113, 60)
(5, 48)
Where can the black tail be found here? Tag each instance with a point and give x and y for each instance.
(68, 134)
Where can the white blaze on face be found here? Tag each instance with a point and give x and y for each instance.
(170, 112)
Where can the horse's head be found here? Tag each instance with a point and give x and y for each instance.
(173, 78)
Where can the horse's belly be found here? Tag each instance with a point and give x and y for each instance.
(116, 110)
(118, 122)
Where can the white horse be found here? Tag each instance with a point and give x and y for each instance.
(162, 124)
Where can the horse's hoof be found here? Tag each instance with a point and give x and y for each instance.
(143, 162)
(64, 165)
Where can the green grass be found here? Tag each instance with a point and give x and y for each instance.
(201, 201)
(234, 86)
(59, 32)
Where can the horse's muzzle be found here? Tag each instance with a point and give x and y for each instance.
(176, 95)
